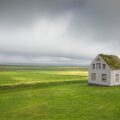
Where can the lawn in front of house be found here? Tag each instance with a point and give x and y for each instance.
(59, 98)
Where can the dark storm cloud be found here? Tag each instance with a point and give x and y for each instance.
(58, 31)
(24, 12)
(101, 18)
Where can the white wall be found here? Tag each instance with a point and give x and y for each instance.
(113, 77)
(99, 73)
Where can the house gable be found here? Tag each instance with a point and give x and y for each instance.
(100, 60)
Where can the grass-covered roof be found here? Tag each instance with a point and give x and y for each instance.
(112, 60)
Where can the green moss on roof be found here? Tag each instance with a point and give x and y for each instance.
(112, 60)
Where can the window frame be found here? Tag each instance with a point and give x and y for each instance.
(98, 59)
(104, 66)
(93, 76)
(104, 77)
(93, 66)
(117, 77)
(98, 66)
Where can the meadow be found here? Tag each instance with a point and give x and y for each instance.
(54, 93)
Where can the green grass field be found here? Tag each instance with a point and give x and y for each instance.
(54, 93)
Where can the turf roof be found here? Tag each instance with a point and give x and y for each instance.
(112, 60)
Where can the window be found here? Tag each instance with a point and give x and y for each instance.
(117, 78)
(98, 59)
(104, 66)
(93, 76)
(93, 66)
(98, 66)
(104, 77)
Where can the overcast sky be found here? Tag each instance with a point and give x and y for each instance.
(58, 32)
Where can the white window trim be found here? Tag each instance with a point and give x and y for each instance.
(93, 76)
(102, 77)
(117, 77)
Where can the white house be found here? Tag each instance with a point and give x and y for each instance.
(104, 70)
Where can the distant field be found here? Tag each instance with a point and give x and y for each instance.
(42, 68)
(54, 93)
(18, 75)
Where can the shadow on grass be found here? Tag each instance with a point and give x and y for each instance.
(42, 85)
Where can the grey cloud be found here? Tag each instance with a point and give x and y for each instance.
(58, 31)
(100, 18)
(25, 12)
